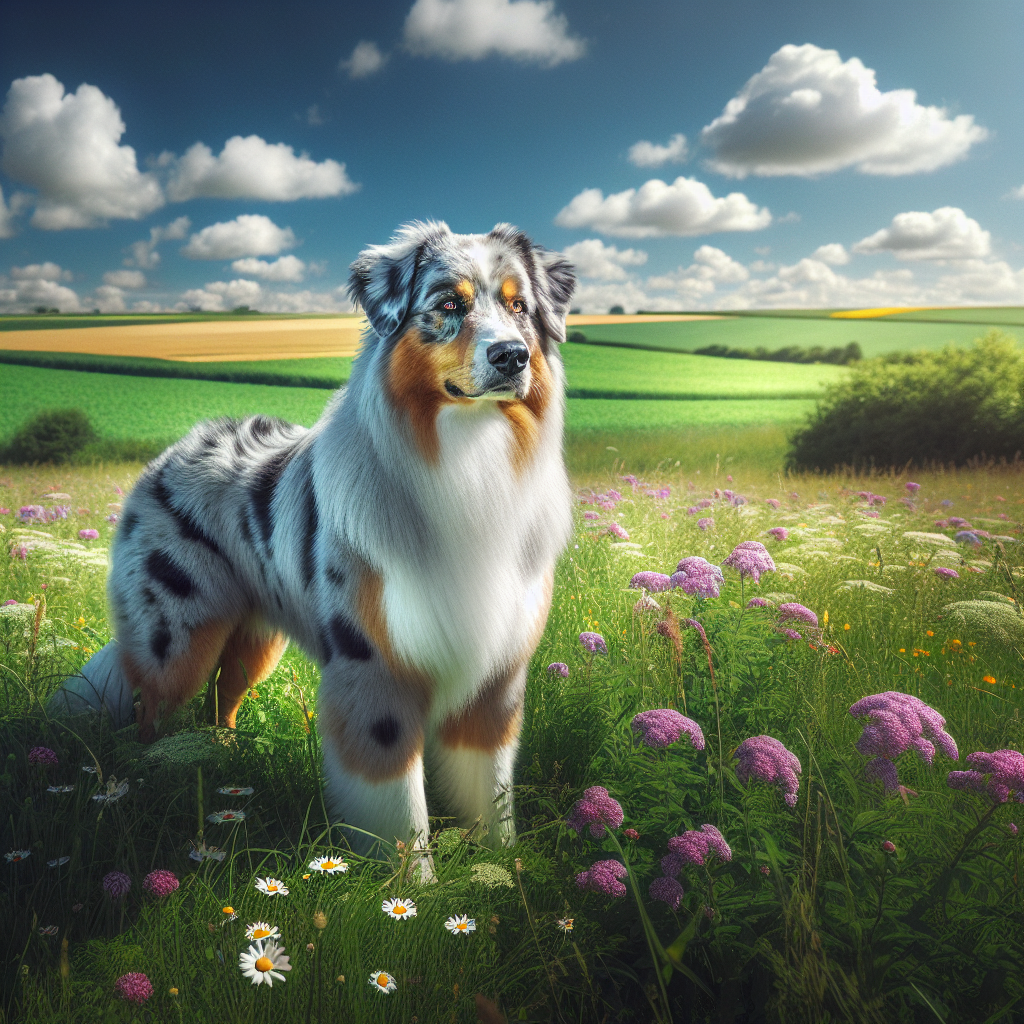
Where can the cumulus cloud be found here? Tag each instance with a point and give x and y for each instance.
(218, 296)
(366, 60)
(47, 271)
(651, 154)
(593, 258)
(144, 252)
(6, 220)
(221, 296)
(710, 266)
(944, 234)
(249, 234)
(807, 112)
(110, 299)
(686, 207)
(252, 168)
(125, 279)
(65, 146)
(833, 254)
(593, 297)
(526, 30)
(285, 268)
(37, 285)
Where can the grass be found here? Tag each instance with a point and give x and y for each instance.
(810, 919)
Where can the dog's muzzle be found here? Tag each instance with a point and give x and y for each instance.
(509, 358)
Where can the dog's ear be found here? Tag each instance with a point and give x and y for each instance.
(383, 277)
(555, 283)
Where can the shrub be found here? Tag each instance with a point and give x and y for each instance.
(53, 435)
(947, 407)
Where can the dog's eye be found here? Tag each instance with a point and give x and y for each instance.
(518, 306)
(451, 306)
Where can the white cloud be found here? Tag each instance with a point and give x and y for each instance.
(651, 154)
(220, 296)
(527, 30)
(686, 207)
(833, 254)
(945, 234)
(366, 60)
(1015, 193)
(66, 148)
(110, 299)
(40, 272)
(249, 234)
(144, 253)
(807, 112)
(314, 116)
(252, 168)
(145, 306)
(710, 266)
(37, 285)
(308, 302)
(6, 220)
(285, 268)
(595, 259)
(599, 298)
(125, 279)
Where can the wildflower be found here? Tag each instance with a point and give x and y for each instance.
(594, 643)
(750, 558)
(898, 722)
(320, 920)
(603, 877)
(967, 537)
(668, 890)
(646, 604)
(991, 680)
(89, 534)
(204, 852)
(383, 982)
(758, 602)
(399, 909)
(114, 791)
(912, 487)
(652, 581)
(160, 883)
(89, 769)
(591, 515)
(134, 987)
(460, 925)
(631, 833)
(790, 634)
(558, 668)
(1005, 769)
(705, 524)
(113, 518)
(694, 847)
(773, 502)
(43, 755)
(1013, 828)
(57, 862)
(260, 930)
(565, 923)
(236, 790)
(329, 865)
(597, 810)
(696, 575)
(765, 870)
(617, 531)
(767, 760)
(271, 886)
(219, 817)
(32, 513)
(663, 726)
(50, 929)
(116, 884)
(778, 532)
(888, 847)
(264, 963)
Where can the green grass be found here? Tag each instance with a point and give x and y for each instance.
(994, 316)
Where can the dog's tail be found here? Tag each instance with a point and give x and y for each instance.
(99, 686)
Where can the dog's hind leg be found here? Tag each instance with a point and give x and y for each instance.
(250, 655)
(99, 685)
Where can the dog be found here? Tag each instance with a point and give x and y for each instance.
(406, 541)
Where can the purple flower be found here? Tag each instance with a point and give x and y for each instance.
(1005, 769)
(960, 524)
(696, 575)
(631, 480)
(58, 512)
(113, 518)
(871, 514)
(603, 878)
(774, 502)
(912, 487)
(595, 809)
(618, 531)
(694, 848)
(707, 523)
(750, 558)
(792, 610)
(591, 515)
(909, 503)
(614, 495)
(778, 532)
(967, 537)
(116, 884)
(757, 602)
(705, 503)
(876, 499)
(898, 722)
(160, 882)
(694, 624)
(790, 634)
(134, 987)
(606, 505)
(594, 643)
(668, 890)
(32, 513)
(559, 668)
(89, 534)
(1013, 828)
(947, 574)
(652, 581)
(42, 755)
(888, 847)
(767, 760)
(946, 503)
(692, 510)
(663, 726)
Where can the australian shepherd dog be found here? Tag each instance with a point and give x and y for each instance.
(406, 542)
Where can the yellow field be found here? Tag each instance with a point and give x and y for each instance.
(871, 314)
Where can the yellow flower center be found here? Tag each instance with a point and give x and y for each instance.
(382, 980)
(328, 865)
(260, 933)
(264, 964)
(271, 888)
(462, 926)
(228, 910)
(399, 909)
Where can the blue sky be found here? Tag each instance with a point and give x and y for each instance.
(686, 156)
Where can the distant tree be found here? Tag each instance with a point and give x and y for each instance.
(575, 311)
(617, 310)
(244, 309)
(53, 435)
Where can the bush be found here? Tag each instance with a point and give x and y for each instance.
(53, 435)
(947, 407)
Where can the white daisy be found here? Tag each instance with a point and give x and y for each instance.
(219, 817)
(328, 865)
(236, 790)
(383, 982)
(398, 908)
(565, 923)
(263, 963)
(58, 863)
(460, 925)
(16, 855)
(271, 886)
(59, 789)
(260, 930)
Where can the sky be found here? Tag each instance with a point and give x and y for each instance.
(685, 156)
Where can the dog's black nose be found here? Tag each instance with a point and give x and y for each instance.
(508, 357)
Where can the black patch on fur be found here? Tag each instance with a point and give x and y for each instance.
(311, 524)
(148, 596)
(348, 641)
(386, 731)
(172, 576)
(326, 651)
(187, 525)
(335, 575)
(244, 529)
(261, 494)
(128, 524)
(263, 427)
(160, 641)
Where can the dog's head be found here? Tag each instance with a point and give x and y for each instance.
(463, 318)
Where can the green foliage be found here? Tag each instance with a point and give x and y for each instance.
(52, 435)
(947, 407)
(837, 356)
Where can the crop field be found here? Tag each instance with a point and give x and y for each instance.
(803, 888)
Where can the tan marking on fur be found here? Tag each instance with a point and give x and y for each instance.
(509, 289)
(178, 681)
(259, 652)
(525, 416)
(465, 291)
(416, 385)
(544, 606)
(491, 721)
(361, 755)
